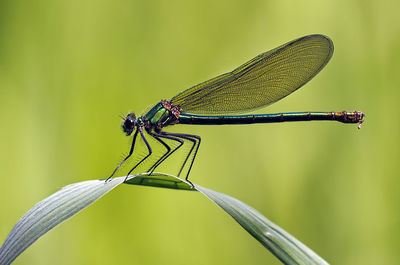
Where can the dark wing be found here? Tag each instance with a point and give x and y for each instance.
(265, 79)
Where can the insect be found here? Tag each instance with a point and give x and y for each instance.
(267, 78)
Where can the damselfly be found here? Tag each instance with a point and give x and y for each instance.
(263, 80)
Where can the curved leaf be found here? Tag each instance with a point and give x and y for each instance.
(73, 198)
(160, 180)
(284, 246)
(52, 211)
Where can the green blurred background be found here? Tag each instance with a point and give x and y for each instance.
(68, 69)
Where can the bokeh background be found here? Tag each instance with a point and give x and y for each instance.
(68, 69)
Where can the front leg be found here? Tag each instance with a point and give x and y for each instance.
(148, 148)
(130, 153)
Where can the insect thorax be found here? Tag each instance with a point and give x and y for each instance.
(160, 116)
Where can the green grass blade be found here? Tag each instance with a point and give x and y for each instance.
(284, 246)
(50, 212)
(68, 201)
(73, 198)
(160, 180)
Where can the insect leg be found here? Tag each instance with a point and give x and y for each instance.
(130, 153)
(167, 155)
(196, 140)
(148, 148)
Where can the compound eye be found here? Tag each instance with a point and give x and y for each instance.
(129, 124)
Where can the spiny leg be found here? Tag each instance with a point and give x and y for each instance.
(148, 148)
(167, 155)
(130, 153)
(193, 139)
(190, 151)
(155, 136)
(195, 152)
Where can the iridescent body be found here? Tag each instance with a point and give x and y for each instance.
(267, 78)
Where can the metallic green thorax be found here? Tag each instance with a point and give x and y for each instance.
(158, 114)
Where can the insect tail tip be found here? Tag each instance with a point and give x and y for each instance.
(359, 124)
